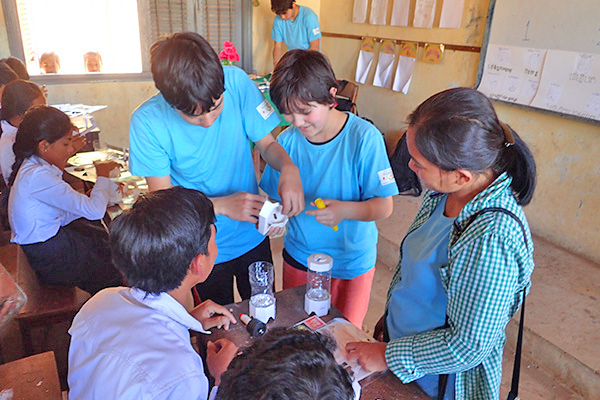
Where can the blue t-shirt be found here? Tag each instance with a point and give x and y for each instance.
(353, 166)
(297, 34)
(215, 160)
(418, 302)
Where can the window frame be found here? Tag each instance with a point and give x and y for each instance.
(15, 44)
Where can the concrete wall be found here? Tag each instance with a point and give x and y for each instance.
(565, 209)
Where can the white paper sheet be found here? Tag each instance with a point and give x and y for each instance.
(359, 13)
(424, 13)
(404, 72)
(384, 71)
(400, 12)
(512, 74)
(378, 12)
(365, 59)
(570, 84)
(452, 11)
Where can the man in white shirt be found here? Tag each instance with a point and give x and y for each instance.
(134, 343)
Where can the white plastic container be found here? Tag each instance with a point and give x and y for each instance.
(318, 284)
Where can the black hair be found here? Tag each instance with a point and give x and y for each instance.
(54, 57)
(302, 76)
(281, 6)
(7, 74)
(187, 72)
(17, 66)
(155, 241)
(459, 129)
(39, 123)
(287, 364)
(17, 97)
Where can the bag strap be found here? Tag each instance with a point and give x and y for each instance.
(514, 390)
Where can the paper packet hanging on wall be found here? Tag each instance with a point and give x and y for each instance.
(433, 53)
(359, 13)
(406, 66)
(365, 59)
(400, 13)
(385, 65)
(378, 12)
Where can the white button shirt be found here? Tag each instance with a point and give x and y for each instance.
(7, 156)
(40, 202)
(126, 344)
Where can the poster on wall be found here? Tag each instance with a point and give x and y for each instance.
(452, 11)
(406, 66)
(512, 74)
(570, 84)
(424, 13)
(359, 13)
(378, 12)
(400, 12)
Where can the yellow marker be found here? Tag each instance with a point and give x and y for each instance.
(320, 205)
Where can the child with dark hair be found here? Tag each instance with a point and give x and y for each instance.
(92, 61)
(134, 343)
(468, 256)
(17, 65)
(17, 97)
(7, 75)
(195, 134)
(287, 364)
(57, 227)
(297, 26)
(49, 63)
(342, 159)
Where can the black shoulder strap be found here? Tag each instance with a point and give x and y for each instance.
(514, 390)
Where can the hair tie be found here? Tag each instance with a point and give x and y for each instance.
(508, 135)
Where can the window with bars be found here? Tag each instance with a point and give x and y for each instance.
(121, 31)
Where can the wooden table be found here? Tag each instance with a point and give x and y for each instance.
(290, 310)
(33, 377)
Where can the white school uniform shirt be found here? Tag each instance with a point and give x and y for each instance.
(127, 344)
(41, 202)
(7, 155)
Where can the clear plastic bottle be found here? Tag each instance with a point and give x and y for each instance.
(318, 284)
(262, 301)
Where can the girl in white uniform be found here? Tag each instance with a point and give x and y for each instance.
(57, 227)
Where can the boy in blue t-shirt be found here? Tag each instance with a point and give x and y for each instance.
(297, 26)
(195, 134)
(342, 159)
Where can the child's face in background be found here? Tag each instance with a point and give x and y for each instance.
(311, 119)
(92, 64)
(48, 65)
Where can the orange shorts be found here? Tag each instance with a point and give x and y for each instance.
(350, 296)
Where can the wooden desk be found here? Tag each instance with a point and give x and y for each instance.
(290, 310)
(33, 377)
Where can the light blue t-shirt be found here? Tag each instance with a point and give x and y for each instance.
(215, 160)
(418, 303)
(353, 166)
(297, 34)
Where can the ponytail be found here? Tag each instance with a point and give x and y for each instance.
(39, 123)
(519, 163)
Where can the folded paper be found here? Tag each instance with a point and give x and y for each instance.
(433, 53)
(384, 72)
(359, 13)
(406, 66)
(400, 13)
(424, 13)
(378, 12)
(365, 59)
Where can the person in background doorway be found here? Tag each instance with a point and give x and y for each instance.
(49, 63)
(93, 61)
(296, 26)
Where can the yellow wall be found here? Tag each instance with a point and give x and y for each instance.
(566, 207)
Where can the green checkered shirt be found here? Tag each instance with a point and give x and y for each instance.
(489, 266)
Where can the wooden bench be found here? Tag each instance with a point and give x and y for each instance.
(46, 305)
(34, 377)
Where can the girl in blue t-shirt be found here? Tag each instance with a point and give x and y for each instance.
(342, 159)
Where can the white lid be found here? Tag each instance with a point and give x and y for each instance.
(320, 262)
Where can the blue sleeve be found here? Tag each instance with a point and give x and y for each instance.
(258, 116)
(276, 33)
(146, 156)
(312, 26)
(375, 173)
(269, 182)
